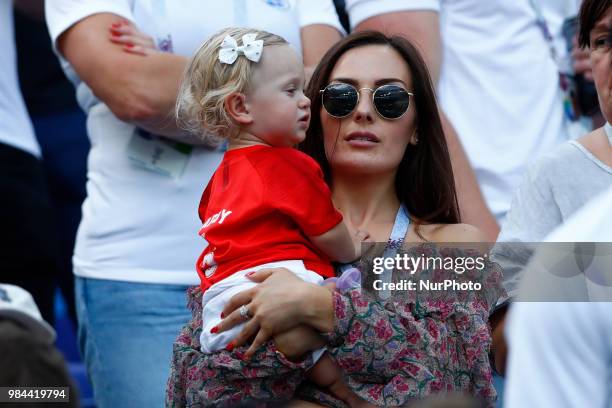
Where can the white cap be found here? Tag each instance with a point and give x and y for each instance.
(17, 304)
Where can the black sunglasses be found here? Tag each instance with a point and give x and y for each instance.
(390, 101)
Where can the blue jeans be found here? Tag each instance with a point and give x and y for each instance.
(499, 382)
(126, 331)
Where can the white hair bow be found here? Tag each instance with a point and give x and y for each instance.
(250, 47)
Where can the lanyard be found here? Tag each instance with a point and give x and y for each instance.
(350, 278)
(543, 25)
(163, 38)
(565, 80)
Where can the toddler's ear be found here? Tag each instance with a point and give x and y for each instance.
(235, 106)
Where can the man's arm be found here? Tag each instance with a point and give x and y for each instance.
(474, 209)
(137, 89)
(316, 40)
(423, 29)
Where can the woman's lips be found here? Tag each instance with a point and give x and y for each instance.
(362, 139)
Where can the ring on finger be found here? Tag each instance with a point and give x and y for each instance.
(244, 312)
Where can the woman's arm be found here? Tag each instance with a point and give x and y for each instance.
(224, 378)
(390, 352)
(140, 90)
(387, 354)
(280, 303)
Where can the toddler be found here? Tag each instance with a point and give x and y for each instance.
(267, 205)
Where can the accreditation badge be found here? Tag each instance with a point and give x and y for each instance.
(158, 154)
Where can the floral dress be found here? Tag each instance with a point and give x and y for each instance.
(392, 351)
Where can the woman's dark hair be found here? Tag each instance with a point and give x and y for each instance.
(424, 181)
(591, 11)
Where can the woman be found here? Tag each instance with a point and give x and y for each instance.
(560, 182)
(564, 180)
(568, 339)
(138, 241)
(390, 174)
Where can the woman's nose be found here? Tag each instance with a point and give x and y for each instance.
(364, 111)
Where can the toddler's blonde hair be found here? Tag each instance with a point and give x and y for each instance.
(200, 105)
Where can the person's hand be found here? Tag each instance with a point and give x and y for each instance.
(298, 341)
(581, 61)
(278, 304)
(131, 39)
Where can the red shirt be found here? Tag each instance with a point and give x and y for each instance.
(259, 207)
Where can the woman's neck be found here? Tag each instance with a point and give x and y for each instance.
(366, 201)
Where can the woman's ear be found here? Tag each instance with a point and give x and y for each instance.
(414, 139)
(235, 106)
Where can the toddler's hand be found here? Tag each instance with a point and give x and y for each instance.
(327, 375)
(298, 341)
(132, 40)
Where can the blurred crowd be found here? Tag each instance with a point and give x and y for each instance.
(100, 185)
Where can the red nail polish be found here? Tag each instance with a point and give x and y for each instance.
(250, 274)
(116, 25)
(230, 346)
(222, 315)
(214, 330)
(129, 45)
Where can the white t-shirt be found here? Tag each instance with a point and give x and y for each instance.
(139, 225)
(498, 82)
(15, 126)
(561, 353)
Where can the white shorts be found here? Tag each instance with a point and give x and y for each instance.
(216, 297)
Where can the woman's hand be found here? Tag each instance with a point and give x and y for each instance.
(131, 39)
(279, 303)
